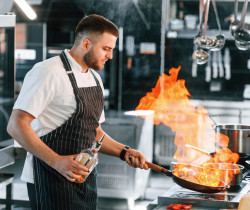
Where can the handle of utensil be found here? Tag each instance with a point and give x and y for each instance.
(235, 9)
(206, 18)
(201, 16)
(159, 169)
(243, 14)
(217, 16)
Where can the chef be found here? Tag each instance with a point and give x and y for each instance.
(59, 112)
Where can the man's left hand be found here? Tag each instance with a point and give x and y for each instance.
(135, 159)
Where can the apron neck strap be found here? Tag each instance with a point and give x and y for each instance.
(68, 67)
(65, 61)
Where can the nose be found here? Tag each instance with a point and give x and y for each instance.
(110, 55)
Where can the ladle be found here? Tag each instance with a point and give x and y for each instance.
(219, 40)
(204, 41)
(242, 37)
(235, 24)
(200, 56)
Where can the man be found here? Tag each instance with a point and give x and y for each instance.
(58, 113)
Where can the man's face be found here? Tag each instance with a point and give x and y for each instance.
(100, 51)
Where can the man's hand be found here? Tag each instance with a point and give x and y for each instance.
(69, 168)
(135, 159)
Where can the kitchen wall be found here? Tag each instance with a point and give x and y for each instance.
(227, 71)
(139, 71)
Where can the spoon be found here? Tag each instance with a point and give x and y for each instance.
(219, 40)
(242, 37)
(235, 24)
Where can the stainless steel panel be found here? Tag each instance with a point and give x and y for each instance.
(116, 179)
(164, 144)
(7, 156)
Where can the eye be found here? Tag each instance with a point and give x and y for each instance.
(107, 48)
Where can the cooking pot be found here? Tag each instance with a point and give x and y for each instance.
(227, 169)
(239, 137)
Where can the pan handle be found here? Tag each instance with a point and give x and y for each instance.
(159, 169)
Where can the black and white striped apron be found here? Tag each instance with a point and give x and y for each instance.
(54, 191)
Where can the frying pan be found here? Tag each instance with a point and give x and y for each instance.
(187, 184)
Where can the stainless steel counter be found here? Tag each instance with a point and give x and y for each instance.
(223, 200)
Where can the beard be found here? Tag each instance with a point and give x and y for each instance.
(91, 61)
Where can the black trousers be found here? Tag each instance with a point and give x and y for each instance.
(32, 196)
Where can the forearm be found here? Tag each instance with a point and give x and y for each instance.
(111, 147)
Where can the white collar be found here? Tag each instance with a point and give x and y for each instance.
(73, 63)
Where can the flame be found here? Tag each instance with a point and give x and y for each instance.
(171, 104)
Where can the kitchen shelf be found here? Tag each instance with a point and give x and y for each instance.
(216, 0)
(190, 34)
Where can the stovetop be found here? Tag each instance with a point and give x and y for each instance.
(228, 199)
(246, 175)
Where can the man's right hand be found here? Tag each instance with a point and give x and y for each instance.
(69, 168)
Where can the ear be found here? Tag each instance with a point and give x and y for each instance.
(85, 44)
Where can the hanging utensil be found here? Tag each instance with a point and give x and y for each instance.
(242, 37)
(208, 69)
(219, 40)
(201, 17)
(215, 65)
(204, 41)
(200, 56)
(221, 69)
(194, 65)
(235, 24)
(227, 64)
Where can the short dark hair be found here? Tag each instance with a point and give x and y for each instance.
(94, 25)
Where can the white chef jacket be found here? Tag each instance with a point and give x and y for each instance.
(48, 95)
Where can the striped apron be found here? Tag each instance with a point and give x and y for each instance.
(54, 191)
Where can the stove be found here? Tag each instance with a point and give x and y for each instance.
(246, 176)
(228, 199)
